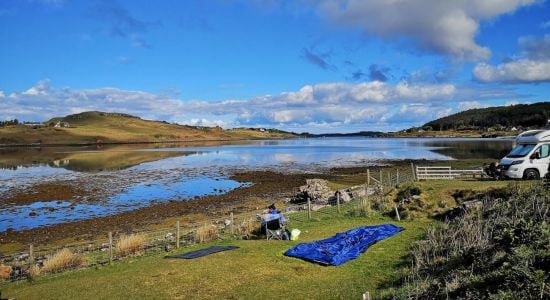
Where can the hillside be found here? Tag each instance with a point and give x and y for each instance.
(521, 115)
(100, 127)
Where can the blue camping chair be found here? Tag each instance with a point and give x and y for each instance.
(274, 226)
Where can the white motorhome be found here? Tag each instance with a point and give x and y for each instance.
(530, 158)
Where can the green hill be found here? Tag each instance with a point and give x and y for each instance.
(100, 127)
(521, 115)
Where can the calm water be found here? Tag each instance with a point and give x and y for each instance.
(122, 178)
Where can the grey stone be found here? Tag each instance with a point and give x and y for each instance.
(317, 190)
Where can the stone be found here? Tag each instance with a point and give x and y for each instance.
(359, 193)
(23, 256)
(316, 190)
(316, 207)
(344, 196)
(227, 222)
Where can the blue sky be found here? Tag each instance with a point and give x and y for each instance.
(318, 66)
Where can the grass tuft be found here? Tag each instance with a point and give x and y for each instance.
(206, 233)
(130, 245)
(5, 272)
(62, 260)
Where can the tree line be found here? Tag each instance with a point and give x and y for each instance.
(9, 122)
(522, 115)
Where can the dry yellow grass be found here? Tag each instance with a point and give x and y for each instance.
(34, 271)
(130, 245)
(62, 260)
(246, 227)
(5, 272)
(206, 233)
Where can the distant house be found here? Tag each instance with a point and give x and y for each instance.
(61, 124)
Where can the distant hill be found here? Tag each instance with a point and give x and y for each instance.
(521, 115)
(101, 127)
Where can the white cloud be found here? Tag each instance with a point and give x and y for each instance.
(40, 89)
(204, 122)
(466, 105)
(511, 103)
(446, 27)
(418, 113)
(42, 102)
(532, 67)
(519, 71)
(361, 106)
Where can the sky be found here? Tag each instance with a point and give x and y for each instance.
(302, 65)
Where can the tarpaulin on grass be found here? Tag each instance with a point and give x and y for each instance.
(203, 252)
(343, 246)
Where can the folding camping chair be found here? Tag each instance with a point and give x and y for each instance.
(273, 226)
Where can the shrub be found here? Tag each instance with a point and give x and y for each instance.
(206, 233)
(62, 260)
(408, 192)
(498, 251)
(130, 245)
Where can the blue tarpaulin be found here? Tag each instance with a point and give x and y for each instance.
(343, 246)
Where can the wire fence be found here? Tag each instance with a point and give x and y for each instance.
(115, 246)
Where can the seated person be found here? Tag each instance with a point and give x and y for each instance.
(274, 220)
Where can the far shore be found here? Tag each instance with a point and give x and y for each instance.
(427, 134)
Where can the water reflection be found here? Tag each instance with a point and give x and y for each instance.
(134, 176)
(45, 213)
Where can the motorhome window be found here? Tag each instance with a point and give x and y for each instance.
(544, 151)
(521, 150)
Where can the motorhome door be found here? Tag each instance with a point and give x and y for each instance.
(541, 158)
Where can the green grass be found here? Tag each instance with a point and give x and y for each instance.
(257, 270)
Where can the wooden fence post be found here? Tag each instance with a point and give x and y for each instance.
(366, 296)
(178, 234)
(397, 212)
(389, 178)
(381, 177)
(31, 254)
(368, 177)
(308, 208)
(338, 202)
(413, 172)
(397, 175)
(110, 247)
(232, 225)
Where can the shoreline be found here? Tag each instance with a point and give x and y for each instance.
(39, 145)
(266, 187)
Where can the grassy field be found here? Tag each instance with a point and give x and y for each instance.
(258, 269)
(98, 127)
